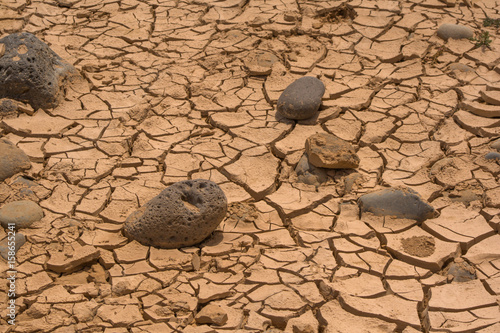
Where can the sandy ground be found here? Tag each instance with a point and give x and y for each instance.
(179, 90)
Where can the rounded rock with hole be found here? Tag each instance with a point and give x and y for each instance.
(183, 214)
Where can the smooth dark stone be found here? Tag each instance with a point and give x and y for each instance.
(401, 203)
(183, 214)
(301, 99)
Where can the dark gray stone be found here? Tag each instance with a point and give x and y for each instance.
(17, 242)
(31, 72)
(398, 202)
(301, 99)
(496, 144)
(492, 156)
(183, 214)
(12, 159)
(455, 31)
(21, 213)
(309, 174)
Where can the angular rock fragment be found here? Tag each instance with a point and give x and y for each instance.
(21, 214)
(327, 151)
(455, 31)
(12, 159)
(31, 72)
(399, 202)
(183, 214)
(301, 99)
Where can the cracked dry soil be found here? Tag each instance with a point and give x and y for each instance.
(178, 89)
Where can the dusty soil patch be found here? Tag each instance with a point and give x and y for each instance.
(420, 246)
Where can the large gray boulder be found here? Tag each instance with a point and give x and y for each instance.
(183, 214)
(12, 159)
(31, 72)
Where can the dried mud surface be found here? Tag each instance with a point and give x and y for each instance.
(177, 89)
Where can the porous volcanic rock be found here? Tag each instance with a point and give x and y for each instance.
(12, 159)
(455, 31)
(398, 202)
(21, 213)
(327, 151)
(183, 214)
(31, 72)
(302, 98)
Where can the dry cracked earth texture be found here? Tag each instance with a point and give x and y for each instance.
(178, 89)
